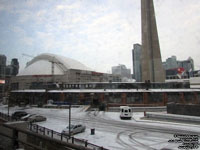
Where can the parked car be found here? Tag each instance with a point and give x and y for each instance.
(50, 102)
(25, 118)
(74, 129)
(19, 114)
(36, 118)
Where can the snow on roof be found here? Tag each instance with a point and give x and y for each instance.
(111, 90)
(121, 90)
(29, 91)
(42, 65)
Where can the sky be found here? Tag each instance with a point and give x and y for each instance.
(97, 33)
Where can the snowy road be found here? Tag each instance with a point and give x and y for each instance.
(113, 133)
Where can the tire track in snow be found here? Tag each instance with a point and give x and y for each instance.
(122, 143)
(132, 139)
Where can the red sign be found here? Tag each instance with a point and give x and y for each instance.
(180, 70)
(97, 73)
(2, 81)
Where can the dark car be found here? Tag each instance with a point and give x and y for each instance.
(19, 114)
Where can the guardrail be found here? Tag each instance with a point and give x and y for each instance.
(56, 135)
(174, 117)
(53, 134)
(6, 117)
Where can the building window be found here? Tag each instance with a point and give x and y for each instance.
(155, 97)
(134, 98)
(115, 98)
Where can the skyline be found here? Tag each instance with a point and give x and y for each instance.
(96, 32)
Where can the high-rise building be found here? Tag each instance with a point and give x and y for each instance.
(2, 66)
(174, 67)
(151, 62)
(2, 75)
(170, 63)
(136, 54)
(188, 64)
(6, 72)
(14, 66)
(122, 70)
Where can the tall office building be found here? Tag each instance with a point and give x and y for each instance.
(151, 62)
(14, 66)
(173, 67)
(2, 66)
(122, 70)
(170, 63)
(136, 53)
(188, 64)
(2, 75)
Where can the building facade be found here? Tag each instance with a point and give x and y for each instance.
(111, 94)
(6, 72)
(188, 64)
(122, 71)
(136, 54)
(178, 69)
(74, 83)
(170, 63)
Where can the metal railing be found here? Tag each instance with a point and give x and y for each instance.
(6, 117)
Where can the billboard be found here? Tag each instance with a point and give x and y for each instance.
(2, 82)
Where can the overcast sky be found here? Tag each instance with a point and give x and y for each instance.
(98, 33)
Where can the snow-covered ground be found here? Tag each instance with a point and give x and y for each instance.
(112, 132)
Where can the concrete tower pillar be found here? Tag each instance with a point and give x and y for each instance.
(151, 62)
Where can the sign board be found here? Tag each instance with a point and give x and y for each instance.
(2, 81)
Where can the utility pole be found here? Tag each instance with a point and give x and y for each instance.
(8, 99)
(69, 120)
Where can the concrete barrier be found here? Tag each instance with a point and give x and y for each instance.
(171, 117)
(184, 109)
(140, 109)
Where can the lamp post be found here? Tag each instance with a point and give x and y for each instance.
(8, 99)
(92, 98)
(69, 120)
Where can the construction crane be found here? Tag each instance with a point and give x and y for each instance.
(52, 68)
(27, 55)
(53, 62)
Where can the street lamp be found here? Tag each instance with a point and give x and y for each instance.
(69, 120)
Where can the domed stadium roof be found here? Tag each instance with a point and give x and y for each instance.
(44, 63)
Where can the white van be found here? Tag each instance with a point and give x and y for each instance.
(125, 112)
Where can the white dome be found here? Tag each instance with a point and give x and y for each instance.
(42, 65)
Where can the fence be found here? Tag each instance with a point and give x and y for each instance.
(53, 134)
(56, 135)
(5, 117)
